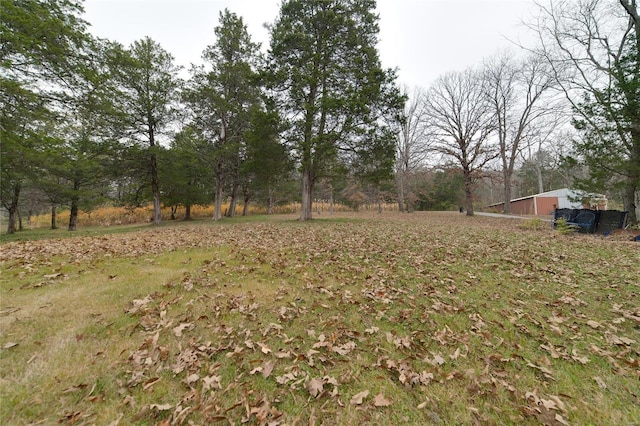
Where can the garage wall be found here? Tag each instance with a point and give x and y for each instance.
(524, 207)
(546, 205)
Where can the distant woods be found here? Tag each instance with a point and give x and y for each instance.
(87, 122)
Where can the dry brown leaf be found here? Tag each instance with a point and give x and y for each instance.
(381, 401)
(359, 398)
(600, 382)
(617, 340)
(344, 349)
(576, 357)
(437, 360)
(8, 311)
(177, 331)
(192, 378)
(455, 355)
(160, 407)
(52, 276)
(9, 345)
(315, 387)
(152, 381)
(593, 324)
(267, 368)
(211, 382)
(264, 348)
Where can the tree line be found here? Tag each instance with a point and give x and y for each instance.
(86, 121)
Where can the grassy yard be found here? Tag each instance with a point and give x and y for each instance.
(425, 318)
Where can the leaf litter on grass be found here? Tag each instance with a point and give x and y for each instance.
(364, 321)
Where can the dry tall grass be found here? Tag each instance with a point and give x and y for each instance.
(112, 216)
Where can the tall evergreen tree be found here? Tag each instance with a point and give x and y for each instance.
(184, 176)
(43, 58)
(146, 101)
(324, 68)
(220, 97)
(268, 164)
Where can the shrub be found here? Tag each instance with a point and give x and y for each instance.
(564, 227)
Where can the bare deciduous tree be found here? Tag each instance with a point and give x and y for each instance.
(516, 89)
(460, 124)
(593, 47)
(411, 145)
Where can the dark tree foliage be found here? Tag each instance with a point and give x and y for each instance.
(610, 123)
(441, 190)
(593, 47)
(43, 61)
(326, 73)
(220, 96)
(184, 176)
(145, 101)
(267, 164)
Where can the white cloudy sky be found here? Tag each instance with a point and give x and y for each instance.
(422, 38)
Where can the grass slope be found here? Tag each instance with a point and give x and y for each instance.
(428, 318)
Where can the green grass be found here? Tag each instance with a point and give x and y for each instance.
(445, 319)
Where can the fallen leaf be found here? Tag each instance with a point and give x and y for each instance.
(358, 398)
(576, 357)
(264, 348)
(600, 382)
(160, 407)
(593, 324)
(455, 355)
(381, 401)
(192, 379)
(315, 387)
(267, 368)
(437, 360)
(52, 276)
(7, 311)
(9, 345)
(210, 382)
(617, 340)
(344, 349)
(177, 331)
(152, 381)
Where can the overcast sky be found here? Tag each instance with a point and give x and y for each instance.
(422, 38)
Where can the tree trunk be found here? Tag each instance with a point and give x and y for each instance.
(307, 195)
(629, 202)
(174, 210)
(631, 190)
(73, 215)
(245, 207)
(409, 195)
(11, 228)
(155, 189)
(539, 176)
(331, 201)
(270, 200)
(400, 186)
(234, 198)
(187, 212)
(217, 212)
(246, 192)
(53, 216)
(468, 192)
(507, 195)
